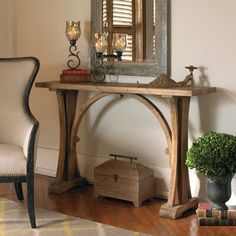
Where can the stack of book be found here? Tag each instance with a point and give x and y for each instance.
(207, 216)
(75, 76)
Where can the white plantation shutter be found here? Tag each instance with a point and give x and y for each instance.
(154, 23)
(127, 54)
(104, 11)
(122, 12)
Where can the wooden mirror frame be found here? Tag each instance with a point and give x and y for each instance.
(155, 68)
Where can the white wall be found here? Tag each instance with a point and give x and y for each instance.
(3, 17)
(7, 27)
(202, 34)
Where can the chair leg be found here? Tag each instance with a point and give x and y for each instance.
(30, 198)
(18, 190)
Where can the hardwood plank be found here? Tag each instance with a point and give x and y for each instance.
(80, 202)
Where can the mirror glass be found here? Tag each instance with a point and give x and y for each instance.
(144, 22)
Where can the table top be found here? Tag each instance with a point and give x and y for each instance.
(128, 88)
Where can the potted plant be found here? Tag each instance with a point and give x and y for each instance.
(214, 155)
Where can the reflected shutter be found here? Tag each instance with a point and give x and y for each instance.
(121, 20)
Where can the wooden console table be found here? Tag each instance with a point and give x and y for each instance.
(68, 175)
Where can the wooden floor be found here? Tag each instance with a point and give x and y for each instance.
(81, 203)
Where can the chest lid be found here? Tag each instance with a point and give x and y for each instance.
(124, 169)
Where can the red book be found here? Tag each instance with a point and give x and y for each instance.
(76, 72)
(67, 78)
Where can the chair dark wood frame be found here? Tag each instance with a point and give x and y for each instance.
(29, 178)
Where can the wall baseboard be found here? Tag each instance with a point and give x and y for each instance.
(45, 171)
(47, 159)
(46, 164)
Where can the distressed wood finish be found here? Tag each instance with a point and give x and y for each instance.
(68, 175)
(179, 199)
(128, 88)
(141, 68)
(124, 180)
(142, 99)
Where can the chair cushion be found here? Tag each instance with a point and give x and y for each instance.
(16, 77)
(12, 160)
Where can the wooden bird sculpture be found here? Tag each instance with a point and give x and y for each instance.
(164, 81)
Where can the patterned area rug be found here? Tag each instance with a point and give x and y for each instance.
(14, 221)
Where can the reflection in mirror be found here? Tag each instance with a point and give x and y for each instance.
(144, 22)
(122, 17)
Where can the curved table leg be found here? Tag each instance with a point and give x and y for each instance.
(179, 198)
(68, 175)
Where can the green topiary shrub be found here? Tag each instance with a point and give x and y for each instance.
(213, 154)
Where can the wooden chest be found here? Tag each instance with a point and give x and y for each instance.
(124, 180)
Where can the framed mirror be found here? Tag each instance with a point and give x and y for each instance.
(145, 23)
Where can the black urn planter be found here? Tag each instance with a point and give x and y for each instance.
(219, 190)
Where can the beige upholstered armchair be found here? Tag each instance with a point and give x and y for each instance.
(18, 127)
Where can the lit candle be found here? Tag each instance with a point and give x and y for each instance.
(119, 42)
(100, 42)
(73, 30)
